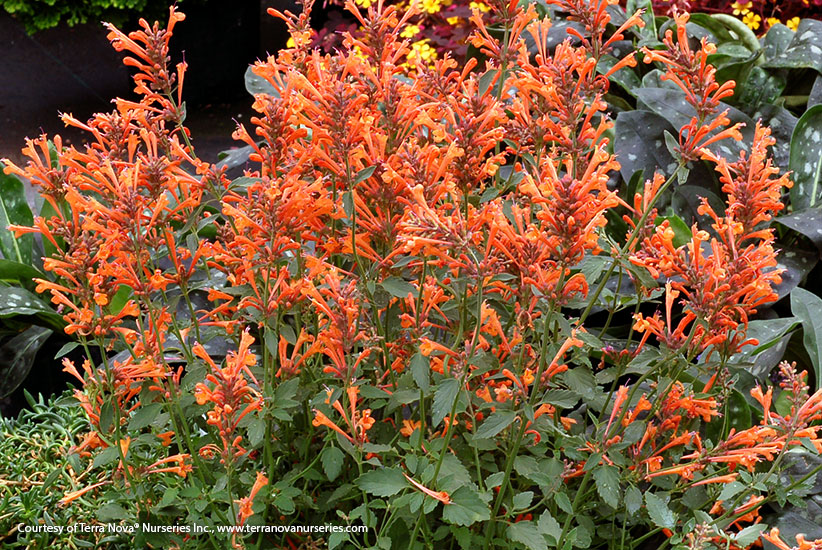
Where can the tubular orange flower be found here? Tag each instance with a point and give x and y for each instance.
(441, 496)
(245, 503)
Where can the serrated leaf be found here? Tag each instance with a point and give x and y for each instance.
(421, 371)
(806, 159)
(527, 534)
(495, 423)
(332, 460)
(550, 527)
(467, 507)
(807, 307)
(382, 482)
(607, 483)
(256, 431)
(522, 500)
(633, 500)
(658, 510)
(444, 396)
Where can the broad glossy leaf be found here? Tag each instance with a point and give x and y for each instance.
(15, 271)
(639, 144)
(16, 301)
(17, 357)
(761, 88)
(764, 356)
(804, 50)
(807, 222)
(815, 96)
(796, 265)
(807, 307)
(255, 84)
(777, 40)
(14, 210)
(806, 159)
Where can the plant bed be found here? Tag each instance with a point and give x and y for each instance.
(552, 296)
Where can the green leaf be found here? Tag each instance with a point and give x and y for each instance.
(332, 461)
(467, 507)
(528, 534)
(522, 500)
(255, 84)
(398, 287)
(607, 484)
(807, 307)
(803, 51)
(14, 210)
(16, 301)
(682, 233)
(420, 371)
(17, 357)
(256, 431)
(639, 144)
(495, 423)
(364, 174)
(550, 527)
(770, 333)
(444, 396)
(806, 159)
(144, 416)
(382, 482)
(658, 510)
(748, 535)
(15, 271)
(633, 500)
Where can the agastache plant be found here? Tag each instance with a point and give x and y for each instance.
(394, 318)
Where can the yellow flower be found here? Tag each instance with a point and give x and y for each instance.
(793, 23)
(421, 53)
(410, 31)
(430, 6)
(752, 20)
(771, 21)
(741, 9)
(290, 43)
(364, 3)
(481, 6)
(453, 20)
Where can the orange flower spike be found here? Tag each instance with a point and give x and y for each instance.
(718, 479)
(74, 495)
(619, 400)
(246, 503)
(408, 427)
(773, 537)
(765, 400)
(321, 420)
(441, 496)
